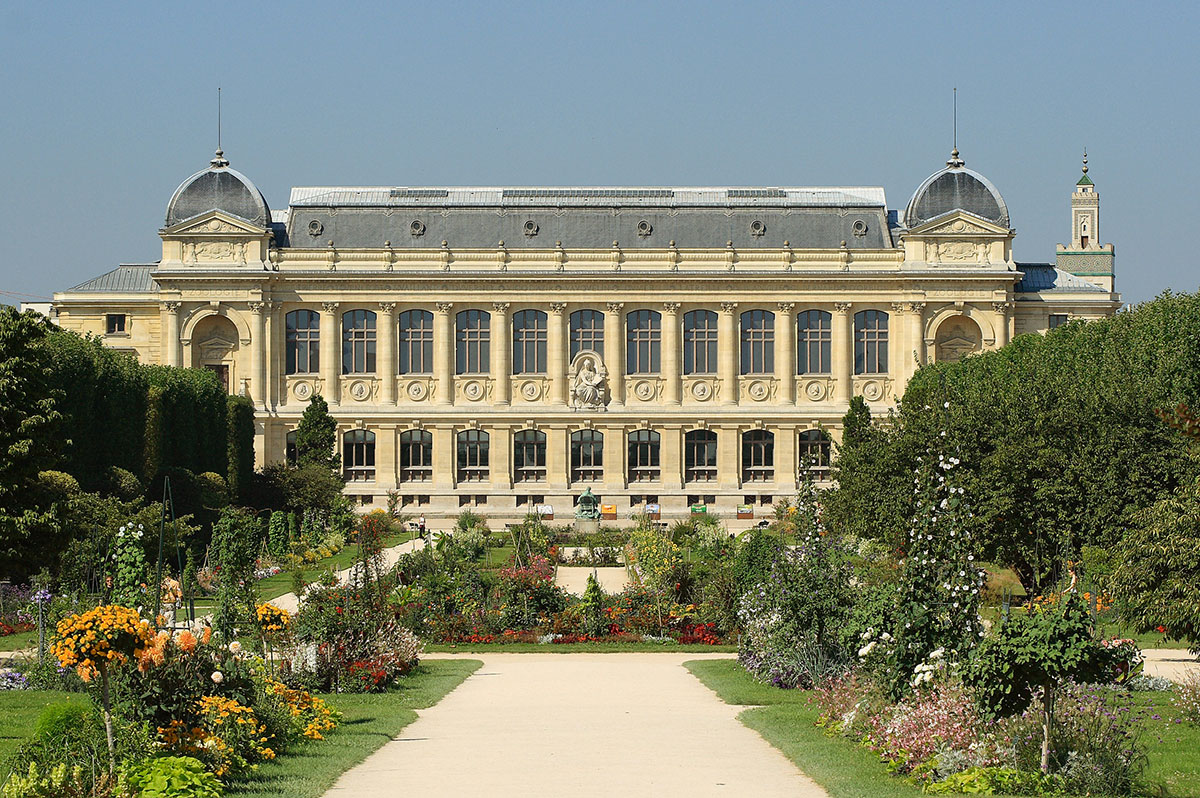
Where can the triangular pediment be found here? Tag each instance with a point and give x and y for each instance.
(959, 224)
(214, 223)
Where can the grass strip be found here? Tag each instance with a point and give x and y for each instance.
(369, 721)
(19, 711)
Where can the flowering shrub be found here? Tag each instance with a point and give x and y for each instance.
(653, 554)
(312, 717)
(272, 619)
(129, 566)
(12, 680)
(929, 723)
(228, 736)
(98, 638)
(1187, 699)
(528, 595)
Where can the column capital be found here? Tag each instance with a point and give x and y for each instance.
(614, 307)
(916, 308)
(329, 307)
(387, 307)
(258, 307)
(785, 307)
(444, 307)
(671, 308)
(557, 308)
(842, 308)
(1002, 307)
(728, 308)
(172, 306)
(501, 307)
(899, 307)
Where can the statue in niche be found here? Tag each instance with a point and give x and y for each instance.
(588, 382)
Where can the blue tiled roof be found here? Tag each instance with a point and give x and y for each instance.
(131, 279)
(1043, 277)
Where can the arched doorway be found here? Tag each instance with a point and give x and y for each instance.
(214, 347)
(957, 337)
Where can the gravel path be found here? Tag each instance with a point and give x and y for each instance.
(390, 556)
(573, 579)
(578, 725)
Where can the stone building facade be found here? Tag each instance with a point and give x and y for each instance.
(503, 348)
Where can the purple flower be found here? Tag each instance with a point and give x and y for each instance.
(43, 596)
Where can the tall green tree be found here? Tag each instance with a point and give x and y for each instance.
(1058, 435)
(316, 435)
(29, 439)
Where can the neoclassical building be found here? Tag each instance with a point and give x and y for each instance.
(503, 348)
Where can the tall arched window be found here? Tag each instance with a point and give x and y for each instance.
(416, 456)
(813, 342)
(644, 455)
(529, 456)
(529, 342)
(700, 456)
(870, 342)
(643, 342)
(758, 456)
(700, 342)
(587, 455)
(758, 342)
(416, 342)
(290, 453)
(472, 456)
(587, 332)
(473, 337)
(814, 451)
(358, 456)
(358, 342)
(303, 335)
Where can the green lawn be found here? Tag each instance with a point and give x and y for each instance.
(785, 719)
(308, 769)
(275, 586)
(19, 711)
(22, 640)
(369, 721)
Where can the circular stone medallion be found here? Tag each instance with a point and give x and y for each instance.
(302, 391)
(701, 390)
(473, 390)
(416, 391)
(815, 391)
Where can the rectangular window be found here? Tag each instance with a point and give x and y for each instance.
(114, 323)
(302, 334)
(358, 342)
(700, 342)
(416, 342)
(643, 342)
(473, 337)
(870, 342)
(814, 342)
(758, 342)
(587, 332)
(1058, 319)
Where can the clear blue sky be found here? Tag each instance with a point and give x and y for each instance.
(107, 107)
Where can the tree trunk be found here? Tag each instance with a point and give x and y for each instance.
(1047, 723)
(108, 731)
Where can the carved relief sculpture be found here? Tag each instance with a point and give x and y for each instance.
(589, 380)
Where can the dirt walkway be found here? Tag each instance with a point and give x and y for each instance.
(578, 725)
(1170, 663)
(573, 579)
(390, 556)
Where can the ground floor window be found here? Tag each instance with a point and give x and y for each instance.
(814, 448)
(587, 456)
(758, 456)
(700, 456)
(529, 456)
(416, 456)
(358, 456)
(644, 456)
(472, 456)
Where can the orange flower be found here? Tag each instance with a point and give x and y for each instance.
(186, 642)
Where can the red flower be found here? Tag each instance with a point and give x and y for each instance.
(1160, 629)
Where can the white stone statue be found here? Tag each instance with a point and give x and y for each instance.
(589, 382)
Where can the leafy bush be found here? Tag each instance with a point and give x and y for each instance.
(755, 557)
(655, 556)
(59, 781)
(995, 781)
(173, 777)
(468, 544)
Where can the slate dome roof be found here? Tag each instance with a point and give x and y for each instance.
(218, 188)
(956, 188)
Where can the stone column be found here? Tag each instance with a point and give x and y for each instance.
(331, 351)
(785, 460)
(500, 457)
(276, 343)
(614, 458)
(614, 357)
(843, 350)
(386, 363)
(443, 352)
(729, 444)
(387, 464)
(900, 349)
(172, 351)
(1001, 310)
(670, 354)
(558, 461)
(501, 346)
(556, 345)
(443, 458)
(258, 353)
(727, 353)
(916, 330)
(671, 457)
(785, 358)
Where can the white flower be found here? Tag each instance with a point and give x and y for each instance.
(217, 677)
(235, 647)
(946, 405)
